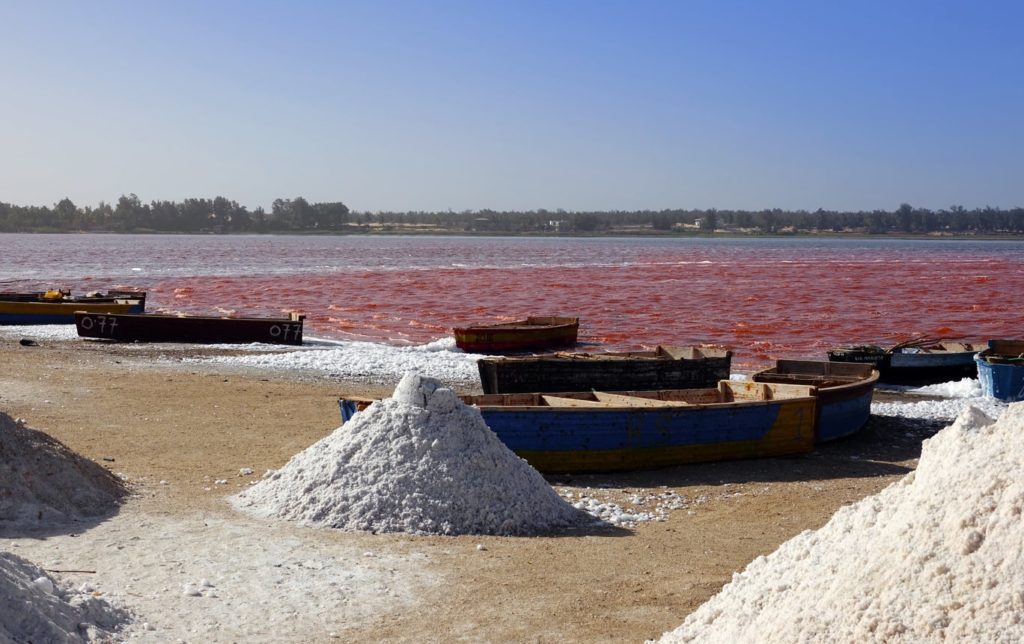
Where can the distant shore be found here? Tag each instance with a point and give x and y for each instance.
(413, 230)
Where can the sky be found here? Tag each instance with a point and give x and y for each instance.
(578, 104)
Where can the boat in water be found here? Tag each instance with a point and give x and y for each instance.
(607, 431)
(1001, 370)
(665, 367)
(58, 306)
(921, 361)
(844, 391)
(157, 327)
(531, 334)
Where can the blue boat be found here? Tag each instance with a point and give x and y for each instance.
(844, 392)
(1001, 370)
(600, 432)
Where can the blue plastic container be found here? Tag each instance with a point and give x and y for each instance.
(1003, 378)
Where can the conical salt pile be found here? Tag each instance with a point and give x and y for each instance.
(420, 462)
(44, 484)
(936, 557)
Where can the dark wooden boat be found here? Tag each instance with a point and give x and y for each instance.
(190, 328)
(844, 392)
(59, 306)
(596, 431)
(531, 334)
(916, 362)
(1001, 370)
(662, 368)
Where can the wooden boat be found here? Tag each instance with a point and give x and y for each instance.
(59, 306)
(662, 368)
(916, 362)
(531, 334)
(190, 328)
(1001, 370)
(844, 392)
(597, 432)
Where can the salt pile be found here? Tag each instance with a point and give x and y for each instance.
(421, 462)
(936, 556)
(43, 483)
(35, 609)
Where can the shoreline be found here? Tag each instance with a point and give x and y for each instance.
(174, 429)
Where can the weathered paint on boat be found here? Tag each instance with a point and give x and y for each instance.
(531, 334)
(925, 365)
(1001, 370)
(844, 392)
(662, 368)
(597, 432)
(190, 329)
(62, 310)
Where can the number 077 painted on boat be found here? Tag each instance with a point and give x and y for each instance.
(190, 329)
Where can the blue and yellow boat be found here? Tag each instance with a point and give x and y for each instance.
(59, 306)
(844, 392)
(600, 432)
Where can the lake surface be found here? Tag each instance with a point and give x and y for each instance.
(765, 298)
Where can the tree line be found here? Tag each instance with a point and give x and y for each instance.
(221, 215)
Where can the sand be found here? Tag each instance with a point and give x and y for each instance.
(188, 435)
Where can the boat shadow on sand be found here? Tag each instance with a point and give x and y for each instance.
(886, 446)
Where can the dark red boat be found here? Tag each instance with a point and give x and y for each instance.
(153, 327)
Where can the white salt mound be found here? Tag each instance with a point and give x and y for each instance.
(934, 557)
(420, 462)
(45, 484)
(35, 609)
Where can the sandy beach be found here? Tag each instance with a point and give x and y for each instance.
(191, 568)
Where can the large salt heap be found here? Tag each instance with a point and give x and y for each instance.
(934, 557)
(421, 461)
(45, 484)
(35, 609)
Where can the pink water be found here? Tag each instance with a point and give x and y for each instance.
(765, 298)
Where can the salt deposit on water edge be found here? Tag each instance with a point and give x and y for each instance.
(936, 556)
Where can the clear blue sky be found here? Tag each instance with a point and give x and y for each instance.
(580, 105)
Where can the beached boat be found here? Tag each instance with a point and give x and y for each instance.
(916, 362)
(531, 334)
(59, 306)
(662, 368)
(844, 392)
(190, 328)
(597, 432)
(1001, 370)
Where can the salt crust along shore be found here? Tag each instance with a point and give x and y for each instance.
(380, 363)
(421, 462)
(935, 557)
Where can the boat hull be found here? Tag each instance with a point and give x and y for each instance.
(532, 334)
(603, 439)
(62, 312)
(1001, 370)
(665, 368)
(921, 367)
(190, 329)
(844, 392)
